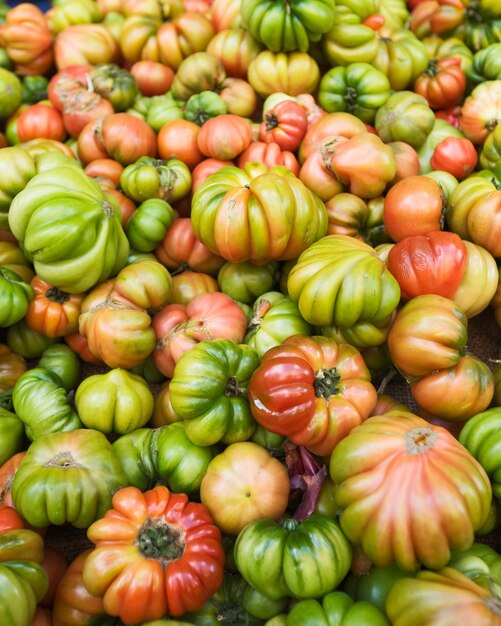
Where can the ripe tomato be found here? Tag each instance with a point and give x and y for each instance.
(456, 155)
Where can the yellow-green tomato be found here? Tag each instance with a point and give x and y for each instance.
(115, 402)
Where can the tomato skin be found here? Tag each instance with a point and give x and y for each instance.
(432, 263)
(312, 390)
(178, 140)
(443, 84)
(40, 120)
(456, 155)
(224, 137)
(242, 484)
(153, 78)
(413, 206)
(10, 519)
(448, 492)
(148, 581)
(284, 124)
(418, 347)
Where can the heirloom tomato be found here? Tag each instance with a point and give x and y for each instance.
(22, 585)
(273, 556)
(62, 360)
(11, 435)
(67, 477)
(312, 390)
(244, 484)
(456, 155)
(11, 367)
(443, 83)
(444, 495)
(418, 347)
(156, 553)
(209, 391)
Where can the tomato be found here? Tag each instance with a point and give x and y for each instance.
(235, 48)
(457, 393)
(245, 282)
(147, 178)
(224, 219)
(213, 403)
(27, 343)
(180, 249)
(179, 328)
(153, 78)
(67, 477)
(313, 391)
(447, 593)
(339, 606)
(7, 472)
(12, 257)
(82, 44)
(22, 585)
(273, 556)
(405, 116)
(224, 137)
(443, 83)
(11, 367)
(480, 436)
(480, 111)
(418, 347)
(328, 270)
(451, 493)
(413, 206)
(40, 402)
(432, 263)
(244, 484)
(11, 434)
(455, 155)
(359, 88)
(294, 73)
(40, 120)
(284, 124)
(178, 139)
(352, 162)
(148, 224)
(205, 168)
(270, 154)
(188, 285)
(198, 72)
(10, 519)
(275, 317)
(171, 561)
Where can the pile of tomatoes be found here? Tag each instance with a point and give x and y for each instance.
(225, 227)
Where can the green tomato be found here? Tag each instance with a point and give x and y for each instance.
(181, 463)
(34, 89)
(260, 605)
(64, 361)
(149, 371)
(209, 391)
(244, 282)
(22, 585)
(155, 178)
(11, 435)
(40, 402)
(336, 609)
(203, 106)
(115, 84)
(11, 93)
(275, 317)
(479, 562)
(67, 477)
(373, 586)
(300, 559)
(115, 402)
(26, 342)
(137, 453)
(148, 224)
(63, 200)
(481, 436)
(359, 89)
(405, 116)
(161, 111)
(17, 167)
(15, 296)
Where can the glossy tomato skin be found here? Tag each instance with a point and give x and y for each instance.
(431, 263)
(456, 155)
(151, 577)
(312, 390)
(413, 206)
(447, 493)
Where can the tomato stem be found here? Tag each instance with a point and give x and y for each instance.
(233, 389)
(54, 294)
(419, 440)
(326, 383)
(271, 121)
(159, 540)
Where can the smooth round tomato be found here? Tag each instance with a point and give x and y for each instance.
(456, 155)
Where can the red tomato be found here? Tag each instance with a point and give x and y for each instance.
(456, 155)
(443, 83)
(178, 140)
(153, 78)
(10, 519)
(413, 206)
(434, 263)
(284, 124)
(40, 120)
(55, 564)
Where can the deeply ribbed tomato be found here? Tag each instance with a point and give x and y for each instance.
(312, 390)
(443, 83)
(284, 124)
(53, 312)
(156, 553)
(409, 491)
